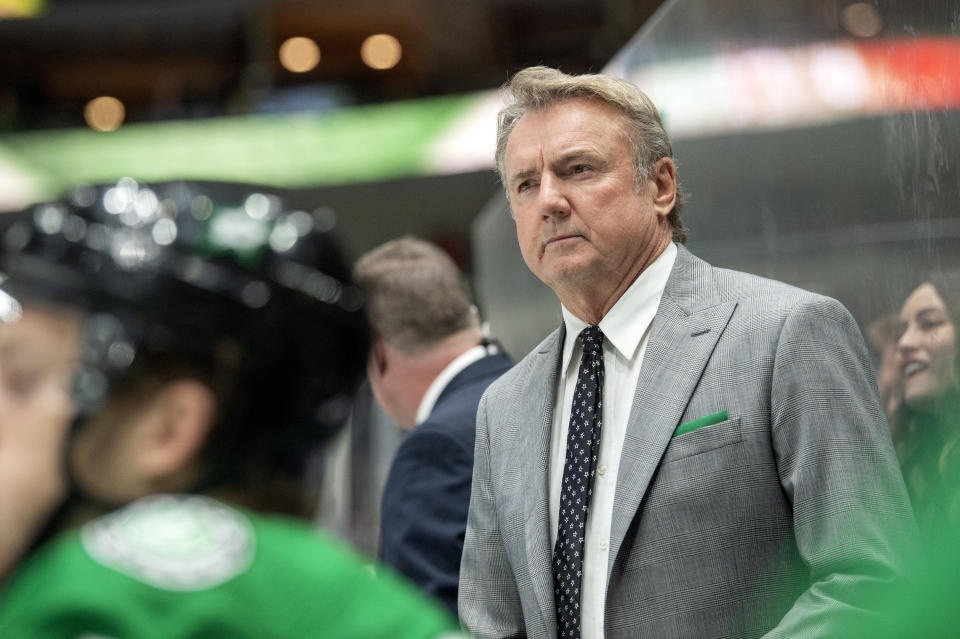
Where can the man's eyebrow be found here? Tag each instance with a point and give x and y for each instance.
(522, 174)
(574, 156)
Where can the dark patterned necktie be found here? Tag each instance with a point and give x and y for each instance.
(583, 446)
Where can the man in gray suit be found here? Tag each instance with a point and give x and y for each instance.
(726, 471)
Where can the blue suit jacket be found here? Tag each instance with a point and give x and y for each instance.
(425, 501)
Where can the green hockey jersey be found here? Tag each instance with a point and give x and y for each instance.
(184, 567)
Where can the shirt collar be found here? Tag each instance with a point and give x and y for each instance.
(625, 324)
(440, 382)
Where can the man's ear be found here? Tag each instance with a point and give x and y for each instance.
(378, 358)
(170, 443)
(665, 179)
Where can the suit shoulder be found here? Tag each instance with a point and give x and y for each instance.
(442, 434)
(510, 383)
(697, 280)
(772, 294)
(454, 416)
(788, 311)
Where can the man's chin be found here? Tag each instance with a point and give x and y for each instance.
(565, 272)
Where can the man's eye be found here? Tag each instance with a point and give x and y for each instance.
(21, 384)
(523, 186)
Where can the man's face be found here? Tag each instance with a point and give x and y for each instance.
(37, 358)
(581, 218)
(387, 383)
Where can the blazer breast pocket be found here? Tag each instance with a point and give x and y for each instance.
(703, 440)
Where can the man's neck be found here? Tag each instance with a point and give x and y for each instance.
(592, 300)
(421, 368)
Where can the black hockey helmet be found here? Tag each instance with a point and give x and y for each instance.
(189, 272)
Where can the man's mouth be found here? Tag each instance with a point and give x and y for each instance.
(562, 238)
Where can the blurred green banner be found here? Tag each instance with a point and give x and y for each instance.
(357, 144)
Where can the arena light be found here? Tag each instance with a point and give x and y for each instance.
(862, 20)
(105, 113)
(381, 51)
(299, 54)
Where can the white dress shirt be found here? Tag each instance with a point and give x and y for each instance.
(625, 329)
(452, 369)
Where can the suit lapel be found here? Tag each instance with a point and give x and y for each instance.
(684, 333)
(536, 419)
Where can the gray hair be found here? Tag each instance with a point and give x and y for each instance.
(416, 295)
(537, 88)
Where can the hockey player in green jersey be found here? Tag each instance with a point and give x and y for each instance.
(170, 364)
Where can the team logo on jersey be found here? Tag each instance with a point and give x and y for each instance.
(183, 543)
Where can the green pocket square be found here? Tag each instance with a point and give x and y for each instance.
(708, 420)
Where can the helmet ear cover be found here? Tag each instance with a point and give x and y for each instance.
(249, 298)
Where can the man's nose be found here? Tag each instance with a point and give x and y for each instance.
(552, 198)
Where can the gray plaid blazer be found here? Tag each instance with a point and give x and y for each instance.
(786, 520)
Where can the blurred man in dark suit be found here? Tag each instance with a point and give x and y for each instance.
(428, 367)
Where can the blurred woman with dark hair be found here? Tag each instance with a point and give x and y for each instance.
(926, 430)
(926, 424)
